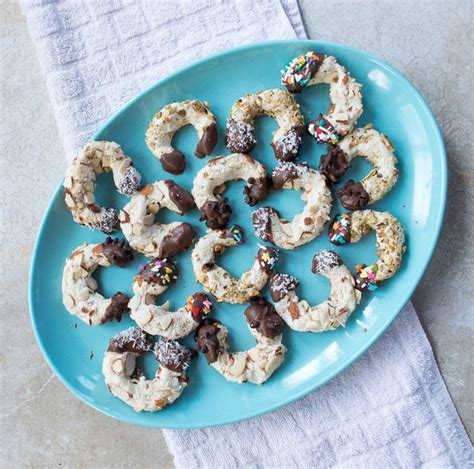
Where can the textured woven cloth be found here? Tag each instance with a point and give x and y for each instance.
(391, 409)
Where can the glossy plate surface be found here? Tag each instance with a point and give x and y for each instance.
(74, 350)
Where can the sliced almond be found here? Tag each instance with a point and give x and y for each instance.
(294, 310)
(148, 189)
(117, 366)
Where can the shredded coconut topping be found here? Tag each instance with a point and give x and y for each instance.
(171, 354)
(287, 166)
(325, 260)
(108, 221)
(284, 283)
(130, 181)
(262, 222)
(133, 336)
(240, 134)
(290, 143)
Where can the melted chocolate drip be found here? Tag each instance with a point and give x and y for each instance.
(261, 315)
(216, 213)
(207, 341)
(173, 162)
(117, 251)
(180, 196)
(256, 190)
(117, 307)
(176, 241)
(353, 196)
(333, 164)
(208, 142)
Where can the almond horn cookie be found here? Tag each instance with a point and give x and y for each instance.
(210, 181)
(390, 243)
(344, 93)
(80, 296)
(378, 151)
(216, 280)
(169, 120)
(153, 239)
(255, 365)
(279, 104)
(79, 184)
(306, 225)
(328, 315)
(152, 280)
(127, 382)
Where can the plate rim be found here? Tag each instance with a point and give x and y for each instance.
(438, 219)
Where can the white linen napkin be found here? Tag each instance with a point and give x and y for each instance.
(391, 409)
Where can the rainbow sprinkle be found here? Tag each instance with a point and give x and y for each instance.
(198, 305)
(237, 234)
(323, 131)
(365, 277)
(298, 73)
(267, 258)
(340, 229)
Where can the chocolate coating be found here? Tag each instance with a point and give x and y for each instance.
(161, 271)
(324, 261)
(261, 315)
(132, 340)
(262, 223)
(353, 196)
(117, 251)
(180, 196)
(208, 142)
(172, 355)
(207, 341)
(281, 285)
(117, 307)
(216, 214)
(240, 137)
(286, 172)
(333, 164)
(339, 230)
(177, 240)
(256, 190)
(287, 148)
(109, 220)
(173, 162)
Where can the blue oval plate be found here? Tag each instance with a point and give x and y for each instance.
(74, 350)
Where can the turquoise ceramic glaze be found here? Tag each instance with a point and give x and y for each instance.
(395, 108)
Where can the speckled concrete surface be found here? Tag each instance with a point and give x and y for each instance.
(42, 423)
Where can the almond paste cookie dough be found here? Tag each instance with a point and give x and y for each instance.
(216, 280)
(127, 382)
(210, 181)
(306, 225)
(169, 120)
(329, 314)
(255, 365)
(145, 235)
(79, 184)
(80, 296)
(279, 104)
(390, 243)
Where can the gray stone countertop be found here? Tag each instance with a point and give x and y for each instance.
(43, 424)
